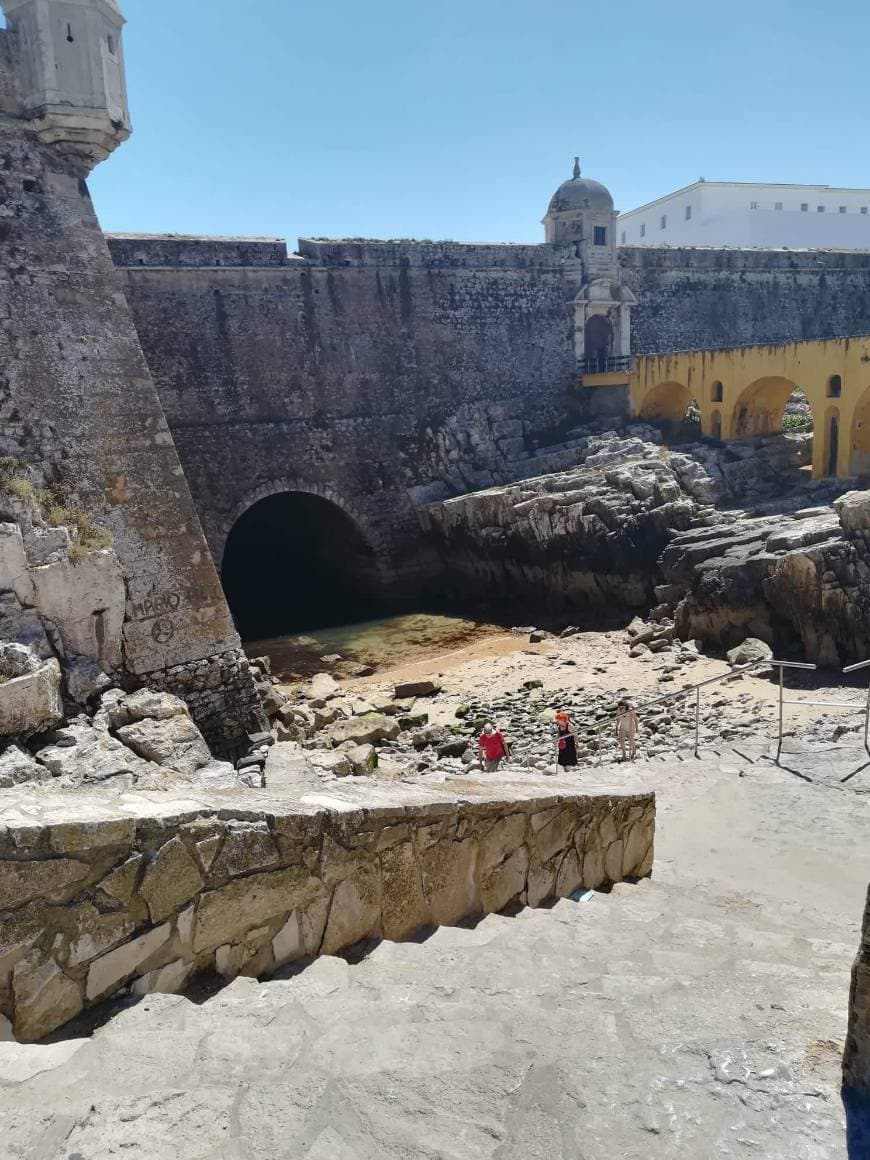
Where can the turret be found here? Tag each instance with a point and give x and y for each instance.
(70, 68)
(581, 221)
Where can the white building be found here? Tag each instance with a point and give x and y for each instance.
(733, 213)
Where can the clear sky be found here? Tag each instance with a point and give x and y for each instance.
(458, 118)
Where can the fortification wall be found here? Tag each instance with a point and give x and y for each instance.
(695, 298)
(78, 403)
(148, 894)
(355, 372)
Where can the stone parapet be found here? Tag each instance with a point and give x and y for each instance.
(856, 1060)
(112, 892)
(185, 250)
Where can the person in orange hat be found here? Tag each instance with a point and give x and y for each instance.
(566, 740)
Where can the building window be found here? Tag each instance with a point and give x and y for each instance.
(663, 222)
(717, 392)
(622, 238)
(777, 205)
(643, 229)
(110, 41)
(688, 212)
(842, 209)
(599, 235)
(753, 205)
(820, 209)
(863, 209)
(804, 206)
(835, 387)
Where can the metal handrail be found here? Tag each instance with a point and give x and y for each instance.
(855, 669)
(734, 673)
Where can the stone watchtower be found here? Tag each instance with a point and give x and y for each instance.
(70, 68)
(581, 221)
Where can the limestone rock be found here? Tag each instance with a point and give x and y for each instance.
(335, 761)
(752, 650)
(29, 694)
(22, 881)
(44, 996)
(246, 847)
(224, 915)
(112, 968)
(21, 625)
(853, 510)
(168, 980)
(84, 679)
(170, 880)
(86, 601)
(92, 933)
(363, 759)
(17, 767)
(355, 912)
(423, 688)
(82, 753)
(14, 576)
(322, 686)
(172, 741)
(371, 728)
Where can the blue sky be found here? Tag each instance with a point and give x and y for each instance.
(399, 118)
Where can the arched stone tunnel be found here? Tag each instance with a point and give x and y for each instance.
(296, 561)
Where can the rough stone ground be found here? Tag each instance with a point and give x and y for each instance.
(699, 1014)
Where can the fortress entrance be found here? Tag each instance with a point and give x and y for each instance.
(295, 561)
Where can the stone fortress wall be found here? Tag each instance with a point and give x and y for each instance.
(78, 406)
(365, 370)
(856, 1060)
(99, 895)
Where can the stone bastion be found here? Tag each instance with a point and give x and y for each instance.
(102, 892)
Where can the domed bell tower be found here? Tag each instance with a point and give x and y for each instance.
(70, 67)
(581, 221)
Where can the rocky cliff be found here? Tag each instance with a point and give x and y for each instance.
(636, 526)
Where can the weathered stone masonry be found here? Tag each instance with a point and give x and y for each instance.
(77, 399)
(97, 896)
(856, 1061)
(360, 370)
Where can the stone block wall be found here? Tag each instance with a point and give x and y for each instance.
(94, 900)
(693, 298)
(856, 1061)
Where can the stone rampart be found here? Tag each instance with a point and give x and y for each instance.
(856, 1060)
(101, 894)
(79, 412)
(694, 298)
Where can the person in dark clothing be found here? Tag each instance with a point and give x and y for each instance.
(566, 740)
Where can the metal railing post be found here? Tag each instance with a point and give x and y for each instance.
(779, 740)
(854, 669)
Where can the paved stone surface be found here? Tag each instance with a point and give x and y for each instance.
(699, 1014)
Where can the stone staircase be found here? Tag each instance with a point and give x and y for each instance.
(698, 1014)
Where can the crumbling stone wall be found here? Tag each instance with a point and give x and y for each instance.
(856, 1060)
(78, 405)
(106, 899)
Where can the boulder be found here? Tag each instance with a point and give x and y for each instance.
(14, 576)
(363, 759)
(752, 650)
(853, 509)
(321, 687)
(29, 692)
(81, 753)
(368, 729)
(416, 689)
(85, 601)
(175, 742)
(22, 625)
(84, 679)
(17, 767)
(334, 761)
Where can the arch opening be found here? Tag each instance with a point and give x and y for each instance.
(295, 561)
(673, 407)
(761, 407)
(597, 342)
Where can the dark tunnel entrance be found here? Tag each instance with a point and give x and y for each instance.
(295, 562)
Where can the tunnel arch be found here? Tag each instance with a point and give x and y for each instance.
(761, 406)
(666, 402)
(296, 559)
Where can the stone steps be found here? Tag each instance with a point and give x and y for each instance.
(698, 1014)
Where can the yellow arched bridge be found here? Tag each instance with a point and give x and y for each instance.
(742, 392)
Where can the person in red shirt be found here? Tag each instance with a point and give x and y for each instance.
(492, 747)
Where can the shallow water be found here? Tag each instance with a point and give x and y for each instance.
(382, 643)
